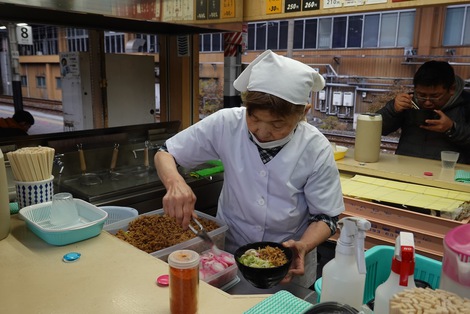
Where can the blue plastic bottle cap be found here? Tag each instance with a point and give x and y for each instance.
(163, 280)
(71, 257)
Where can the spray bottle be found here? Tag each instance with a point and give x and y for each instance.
(344, 277)
(402, 273)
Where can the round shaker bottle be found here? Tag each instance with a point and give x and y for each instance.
(368, 137)
(184, 281)
(455, 276)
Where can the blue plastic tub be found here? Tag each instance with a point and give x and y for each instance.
(378, 265)
(90, 224)
(118, 213)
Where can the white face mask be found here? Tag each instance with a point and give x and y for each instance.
(272, 144)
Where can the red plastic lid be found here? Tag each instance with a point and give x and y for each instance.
(458, 241)
(163, 280)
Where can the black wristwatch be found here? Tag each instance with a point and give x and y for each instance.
(450, 132)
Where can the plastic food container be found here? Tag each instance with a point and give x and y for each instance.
(455, 276)
(195, 244)
(340, 152)
(378, 265)
(224, 279)
(90, 223)
(118, 213)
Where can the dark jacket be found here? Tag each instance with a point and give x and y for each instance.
(9, 127)
(417, 142)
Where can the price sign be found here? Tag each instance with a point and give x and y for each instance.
(292, 6)
(310, 5)
(201, 10)
(328, 4)
(349, 3)
(228, 9)
(214, 9)
(375, 1)
(24, 35)
(273, 6)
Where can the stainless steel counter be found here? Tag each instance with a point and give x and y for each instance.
(139, 189)
(245, 288)
(133, 181)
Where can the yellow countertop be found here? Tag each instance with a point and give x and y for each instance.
(406, 169)
(110, 277)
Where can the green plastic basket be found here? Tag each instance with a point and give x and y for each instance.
(378, 265)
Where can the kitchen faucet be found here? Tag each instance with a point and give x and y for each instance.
(146, 153)
(147, 146)
(58, 162)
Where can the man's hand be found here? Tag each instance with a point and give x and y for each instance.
(403, 102)
(440, 125)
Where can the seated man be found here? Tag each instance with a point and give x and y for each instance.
(436, 87)
(19, 124)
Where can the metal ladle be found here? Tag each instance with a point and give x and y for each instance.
(143, 171)
(114, 175)
(86, 179)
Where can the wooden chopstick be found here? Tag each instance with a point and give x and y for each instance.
(415, 106)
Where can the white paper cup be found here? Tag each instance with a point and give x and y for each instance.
(30, 193)
(449, 159)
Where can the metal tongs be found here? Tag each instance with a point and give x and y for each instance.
(201, 233)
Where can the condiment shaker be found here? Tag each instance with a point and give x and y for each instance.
(184, 281)
(368, 137)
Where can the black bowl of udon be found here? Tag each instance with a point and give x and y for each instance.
(263, 264)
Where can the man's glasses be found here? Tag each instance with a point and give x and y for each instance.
(430, 99)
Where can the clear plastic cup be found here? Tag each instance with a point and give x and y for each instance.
(64, 210)
(449, 159)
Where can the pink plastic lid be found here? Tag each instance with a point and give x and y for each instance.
(457, 255)
(458, 241)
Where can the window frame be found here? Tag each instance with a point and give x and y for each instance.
(325, 38)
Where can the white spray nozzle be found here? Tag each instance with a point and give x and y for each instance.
(352, 235)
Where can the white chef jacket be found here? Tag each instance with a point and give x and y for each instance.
(263, 202)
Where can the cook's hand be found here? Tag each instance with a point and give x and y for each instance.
(440, 125)
(297, 267)
(403, 102)
(179, 202)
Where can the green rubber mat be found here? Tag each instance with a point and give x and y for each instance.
(282, 302)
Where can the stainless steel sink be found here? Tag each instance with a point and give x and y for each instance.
(108, 184)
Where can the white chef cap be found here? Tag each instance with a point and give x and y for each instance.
(280, 76)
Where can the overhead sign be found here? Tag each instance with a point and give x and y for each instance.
(24, 35)
(292, 6)
(273, 6)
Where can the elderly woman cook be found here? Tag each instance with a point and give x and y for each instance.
(281, 182)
